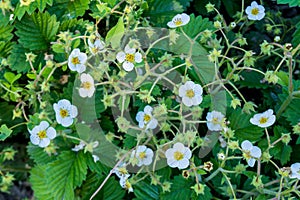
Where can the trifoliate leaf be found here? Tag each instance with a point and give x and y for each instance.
(37, 31)
(38, 180)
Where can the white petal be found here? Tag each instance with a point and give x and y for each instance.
(172, 163)
(67, 121)
(248, 10)
(51, 133)
(34, 139)
(171, 24)
(197, 100)
(138, 57)
(152, 124)
(251, 162)
(129, 50)
(185, 19)
(187, 153)
(148, 110)
(170, 153)
(187, 101)
(198, 89)
(254, 4)
(184, 163)
(44, 142)
(95, 158)
(80, 68)
(255, 152)
(179, 147)
(295, 167)
(83, 92)
(141, 148)
(82, 58)
(121, 56)
(182, 90)
(44, 125)
(246, 145)
(190, 85)
(73, 111)
(140, 116)
(128, 66)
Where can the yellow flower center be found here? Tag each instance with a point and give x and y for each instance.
(129, 57)
(142, 155)
(147, 118)
(63, 113)
(247, 155)
(123, 170)
(75, 60)
(263, 120)
(178, 22)
(86, 85)
(127, 185)
(190, 93)
(178, 155)
(215, 120)
(42, 134)
(254, 11)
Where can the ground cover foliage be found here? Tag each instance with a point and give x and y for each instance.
(158, 99)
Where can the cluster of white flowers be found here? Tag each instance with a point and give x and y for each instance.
(123, 175)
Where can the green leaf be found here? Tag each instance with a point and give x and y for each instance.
(11, 77)
(292, 111)
(38, 180)
(200, 6)
(4, 132)
(180, 189)
(17, 59)
(296, 35)
(291, 3)
(38, 154)
(41, 4)
(144, 190)
(244, 130)
(65, 174)
(162, 11)
(115, 34)
(37, 31)
(74, 8)
(197, 25)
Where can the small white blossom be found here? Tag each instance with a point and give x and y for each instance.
(179, 20)
(128, 58)
(87, 87)
(124, 182)
(65, 112)
(250, 152)
(145, 118)
(77, 60)
(215, 120)
(79, 146)
(42, 134)
(95, 158)
(143, 154)
(95, 44)
(178, 156)
(255, 11)
(264, 119)
(295, 171)
(191, 93)
(121, 171)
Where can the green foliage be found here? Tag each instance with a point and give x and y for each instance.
(144, 190)
(290, 2)
(115, 34)
(38, 155)
(44, 28)
(17, 59)
(4, 132)
(74, 8)
(61, 177)
(296, 35)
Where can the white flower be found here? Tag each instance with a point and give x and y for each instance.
(295, 171)
(264, 119)
(128, 58)
(79, 146)
(178, 156)
(65, 112)
(77, 60)
(255, 11)
(95, 158)
(42, 134)
(143, 154)
(126, 184)
(145, 118)
(87, 87)
(179, 20)
(250, 152)
(215, 120)
(191, 93)
(95, 44)
(121, 171)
